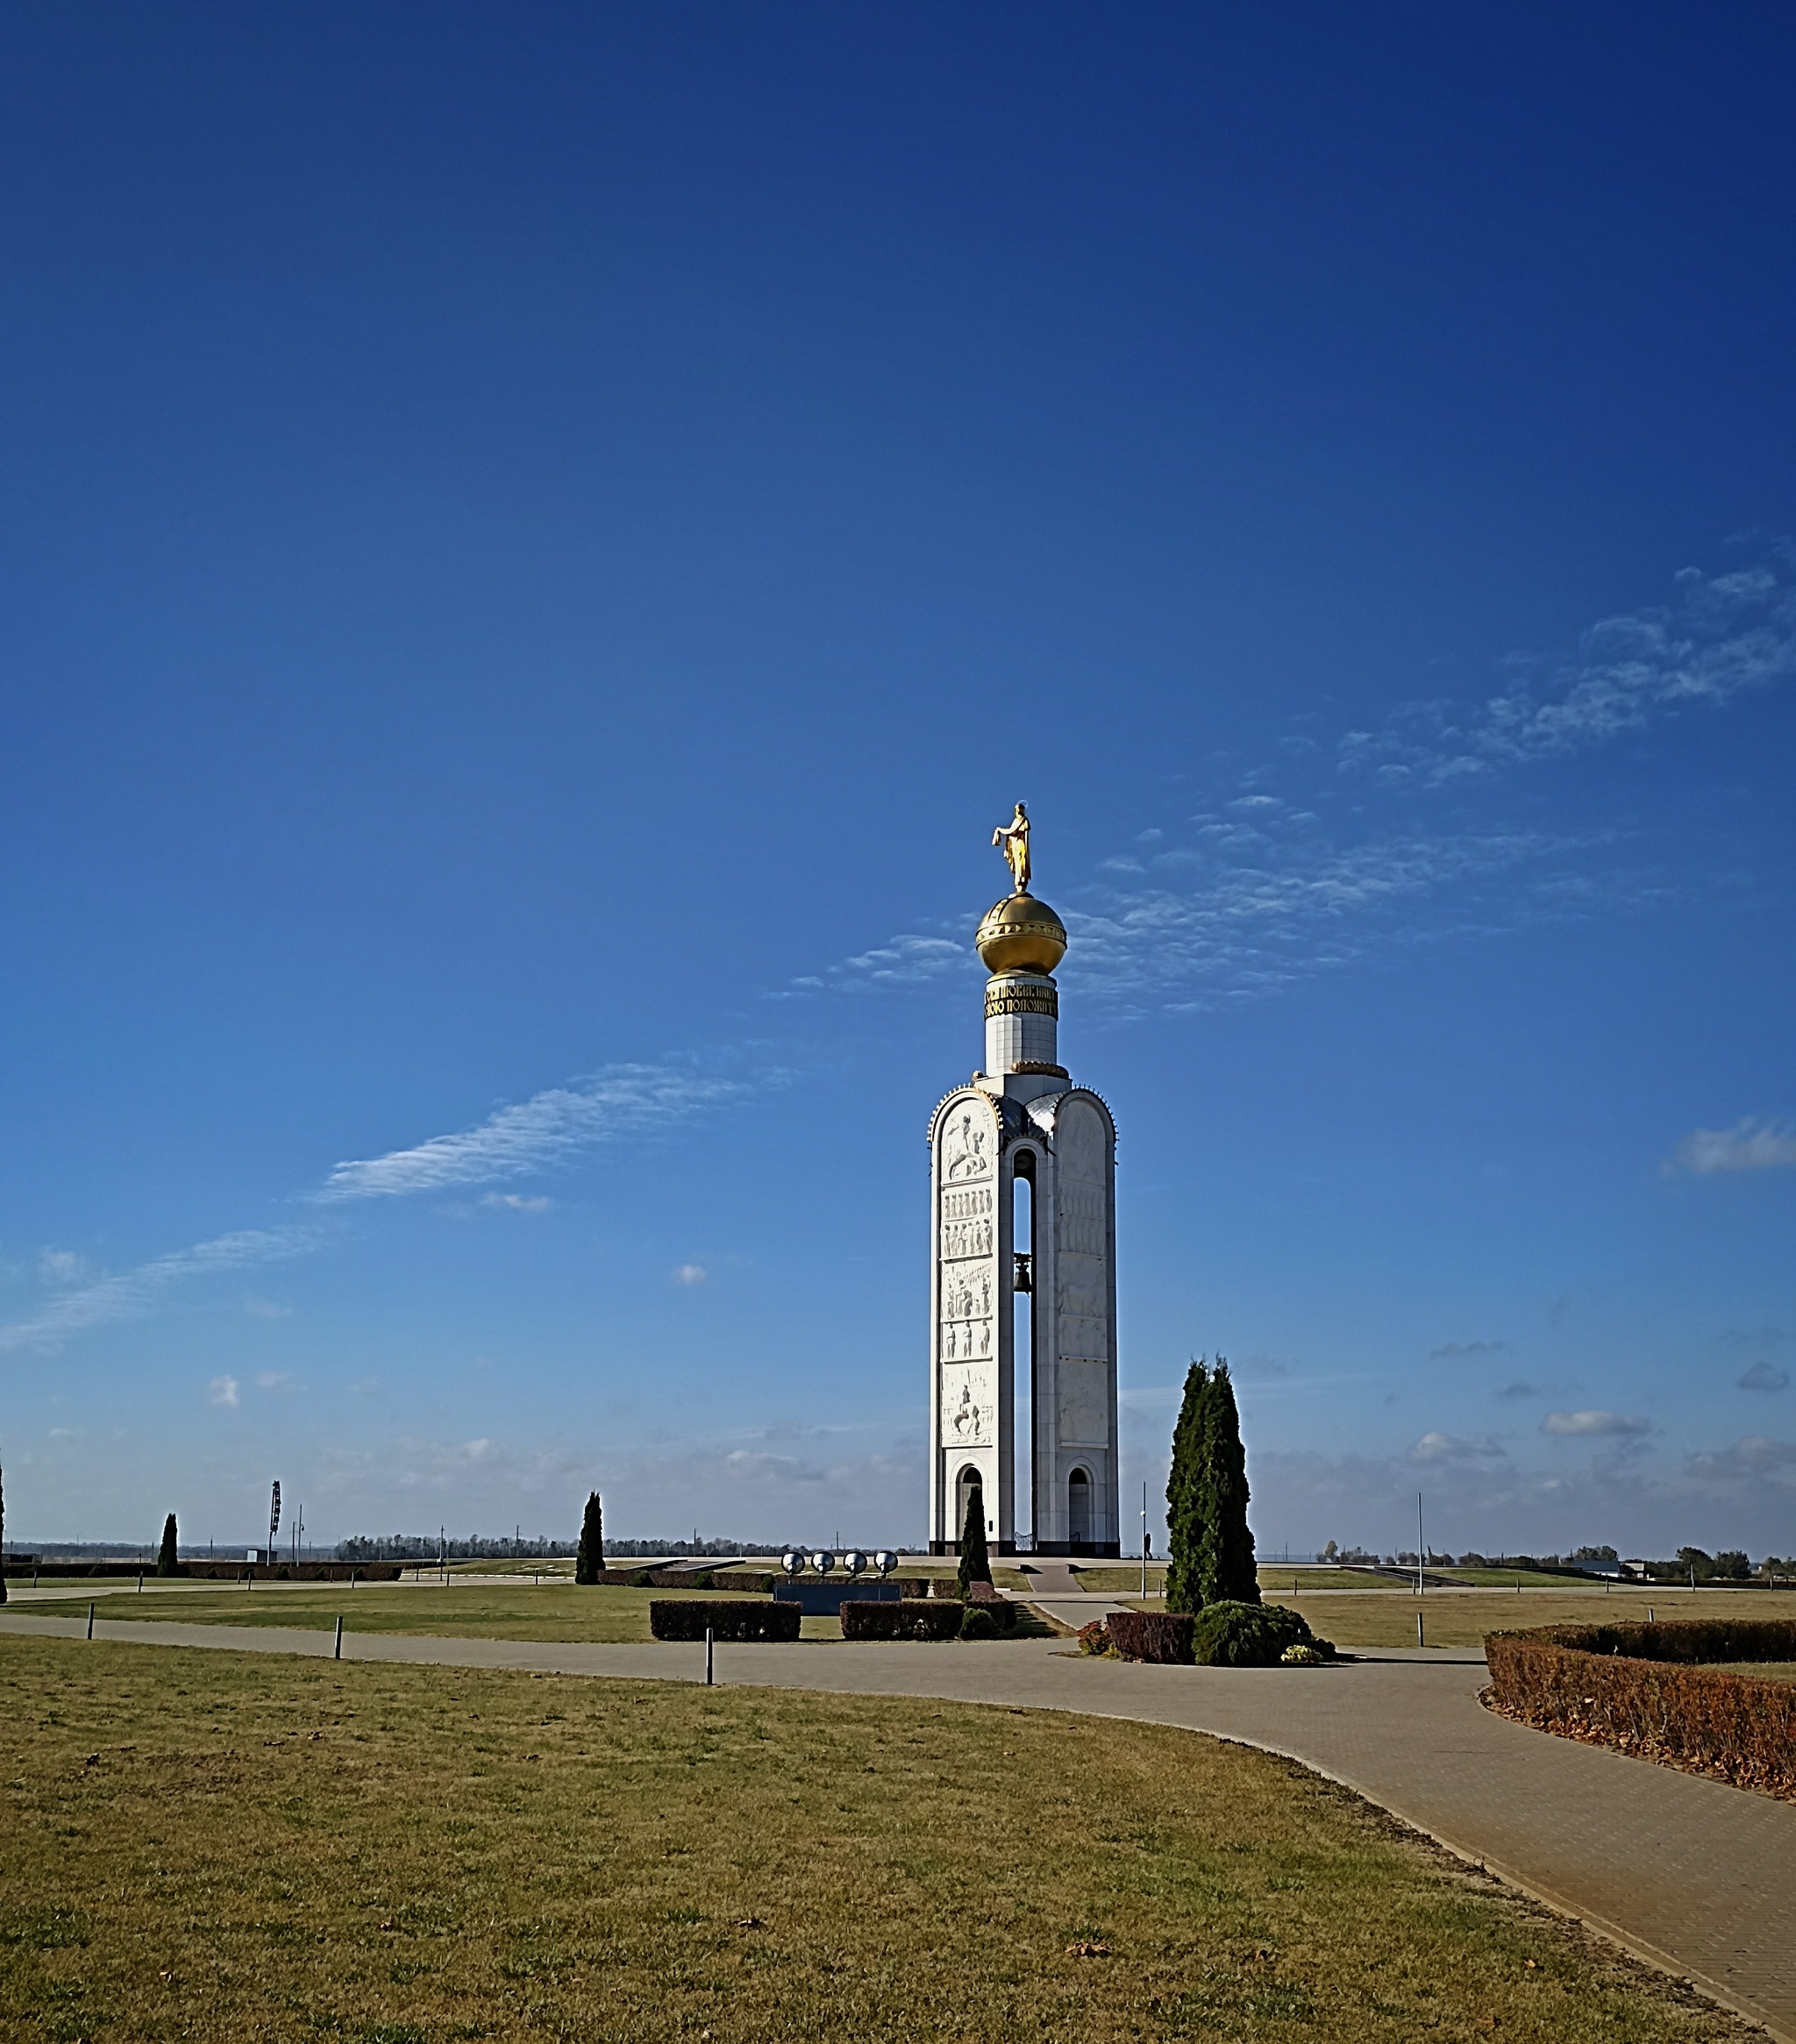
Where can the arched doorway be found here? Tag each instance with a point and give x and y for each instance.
(1078, 1510)
(966, 1484)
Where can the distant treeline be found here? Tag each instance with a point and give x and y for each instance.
(1730, 1565)
(476, 1547)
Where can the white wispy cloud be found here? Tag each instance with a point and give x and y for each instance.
(1763, 1377)
(132, 1293)
(1265, 914)
(691, 1274)
(225, 1390)
(519, 1202)
(1438, 1447)
(900, 961)
(1613, 1424)
(1748, 1145)
(623, 1099)
(1726, 634)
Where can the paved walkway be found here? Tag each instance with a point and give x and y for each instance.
(1698, 1878)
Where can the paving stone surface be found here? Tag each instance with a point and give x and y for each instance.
(1693, 1874)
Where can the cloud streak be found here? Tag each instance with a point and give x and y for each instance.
(133, 1293)
(623, 1099)
(1748, 1145)
(1726, 634)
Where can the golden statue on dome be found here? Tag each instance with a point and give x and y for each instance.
(1014, 836)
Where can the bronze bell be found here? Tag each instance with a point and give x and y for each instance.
(1021, 1281)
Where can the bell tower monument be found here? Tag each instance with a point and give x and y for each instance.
(1022, 1263)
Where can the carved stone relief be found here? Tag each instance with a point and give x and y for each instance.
(967, 1144)
(969, 1423)
(1085, 1404)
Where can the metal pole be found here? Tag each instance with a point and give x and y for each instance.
(1421, 1550)
(90, 1621)
(1144, 1539)
(336, 1651)
(709, 1673)
(1420, 1641)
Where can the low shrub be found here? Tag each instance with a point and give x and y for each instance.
(686, 1617)
(908, 1618)
(1151, 1635)
(1302, 1656)
(977, 1622)
(1640, 1688)
(1094, 1639)
(1228, 1635)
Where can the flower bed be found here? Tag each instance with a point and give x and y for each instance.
(1640, 1690)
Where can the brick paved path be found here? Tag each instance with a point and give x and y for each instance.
(1695, 1876)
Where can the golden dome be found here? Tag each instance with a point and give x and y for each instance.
(1022, 935)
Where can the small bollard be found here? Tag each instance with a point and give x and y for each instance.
(90, 1621)
(1419, 1639)
(1649, 1615)
(336, 1651)
(139, 1582)
(709, 1665)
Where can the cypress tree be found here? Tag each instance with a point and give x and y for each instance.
(975, 1564)
(1225, 1545)
(168, 1555)
(1184, 1525)
(589, 1562)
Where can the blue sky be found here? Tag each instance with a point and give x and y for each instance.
(538, 544)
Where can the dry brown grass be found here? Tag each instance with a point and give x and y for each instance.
(217, 1846)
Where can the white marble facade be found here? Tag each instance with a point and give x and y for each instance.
(1007, 1124)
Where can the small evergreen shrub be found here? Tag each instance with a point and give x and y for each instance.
(1231, 1634)
(686, 1617)
(1163, 1636)
(1094, 1639)
(1302, 1656)
(977, 1623)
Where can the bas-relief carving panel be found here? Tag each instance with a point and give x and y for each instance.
(1085, 1404)
(969, 1143)
(969, 1409)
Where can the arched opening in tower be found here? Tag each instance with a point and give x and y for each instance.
(1078, 1510)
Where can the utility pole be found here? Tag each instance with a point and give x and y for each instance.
(1421, 1550)
(1144, 1539)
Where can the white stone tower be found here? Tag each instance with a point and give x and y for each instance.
(1023, 1185)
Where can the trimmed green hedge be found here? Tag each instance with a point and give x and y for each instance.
(1161, 1637)
(735, 1618)
(1640, 1689)
(908, 1618)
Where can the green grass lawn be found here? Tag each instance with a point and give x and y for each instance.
(464, 1609)
(1457, 1618)
(219, 1847)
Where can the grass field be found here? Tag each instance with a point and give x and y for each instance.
(1462, 1618)
(221, 1846)
(464, 1609)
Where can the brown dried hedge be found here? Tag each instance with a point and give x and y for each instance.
(906, 1618)
(732, 1618)
(1640, 1689)
(1151, 1635)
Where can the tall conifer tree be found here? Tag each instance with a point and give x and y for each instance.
(590, 1561)
(1225, 1546)
(1184, 1524)
(975, 1563)
(168, 1555)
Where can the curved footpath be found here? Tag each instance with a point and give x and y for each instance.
(1694, 1876)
